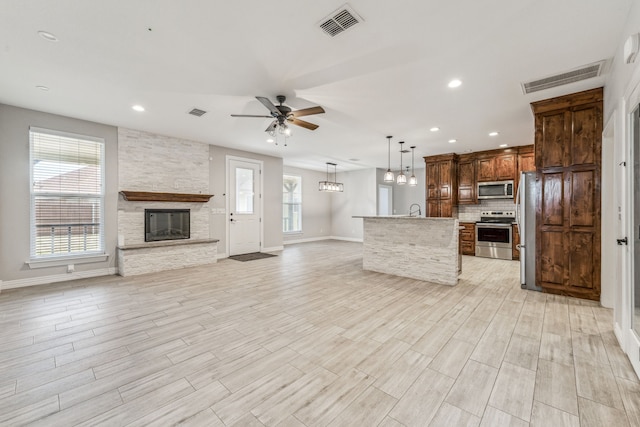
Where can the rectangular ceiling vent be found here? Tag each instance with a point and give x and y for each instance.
(340, 20)
(197, 112)
(585, 72)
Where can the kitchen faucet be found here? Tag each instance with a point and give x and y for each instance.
(412, 212)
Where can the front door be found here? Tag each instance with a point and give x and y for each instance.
(244, 206)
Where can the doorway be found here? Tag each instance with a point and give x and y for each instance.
(244, 198)
(385, 199)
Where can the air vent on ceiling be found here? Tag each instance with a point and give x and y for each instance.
(340, 20)
(582, 73)
(197, 112)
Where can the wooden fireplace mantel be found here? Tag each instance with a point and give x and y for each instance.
(147, 196)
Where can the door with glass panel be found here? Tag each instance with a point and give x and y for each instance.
(244, 207)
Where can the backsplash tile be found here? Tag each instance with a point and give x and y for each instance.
(471, 213)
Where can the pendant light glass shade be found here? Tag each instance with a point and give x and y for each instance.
(388, 175)
(401, 178)
(413, 181)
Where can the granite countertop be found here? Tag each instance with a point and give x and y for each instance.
(401, 217)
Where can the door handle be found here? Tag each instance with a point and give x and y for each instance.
(622, 242)
(231, 220)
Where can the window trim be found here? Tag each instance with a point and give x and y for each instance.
(301, 230)
(51, 260)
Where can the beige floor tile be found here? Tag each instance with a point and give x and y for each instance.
(452, 358)
(496, 418)
(423, 399)
(402, 374)
(491, 350)
(369, 409)
(630, 392)
(513, 391)
(593, 414)
(596, 382)
(477, 377)
(448, 415)
(544, 415)
(556, 348)
(523, 351)
(556, 386)
(589, 347)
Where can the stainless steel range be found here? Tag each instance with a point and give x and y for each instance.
(494, 237)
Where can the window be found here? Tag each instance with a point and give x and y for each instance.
(291, 204)
(67, 194)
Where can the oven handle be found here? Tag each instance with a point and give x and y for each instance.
(497, 225)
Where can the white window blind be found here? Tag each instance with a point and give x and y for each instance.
(291, 203)
(67, 194)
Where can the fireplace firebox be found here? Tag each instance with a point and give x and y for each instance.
(166, 224)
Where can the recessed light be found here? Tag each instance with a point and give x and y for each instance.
(434, 129)
(47, 36)
(44, 88)
(493, 133)
(270, 140)
(453, 141)
(354, 160)
(503, 145)
(138, 108)
(454, 83)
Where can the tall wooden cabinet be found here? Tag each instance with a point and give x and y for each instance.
(441, 185)
(467, 180)
(568, 153)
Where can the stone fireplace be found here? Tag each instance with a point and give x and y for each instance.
(166, 224)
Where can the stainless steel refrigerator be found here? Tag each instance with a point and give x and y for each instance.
(526, 221)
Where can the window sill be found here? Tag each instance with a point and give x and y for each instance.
(60, 261)
(292, 233)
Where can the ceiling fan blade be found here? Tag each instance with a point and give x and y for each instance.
(272, 126)
(307, 111)
(267, 103)
(303, 124)
(251, 115)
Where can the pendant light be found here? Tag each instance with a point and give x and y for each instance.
(413, 181)
(331, 186)
(401, 179)
(388, 175)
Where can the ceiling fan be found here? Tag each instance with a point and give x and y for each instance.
(283, 114)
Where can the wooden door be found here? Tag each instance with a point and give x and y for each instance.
(505, 167)
(467, 181)
(568, 158)
(486, 171)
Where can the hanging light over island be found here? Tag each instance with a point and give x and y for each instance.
(331, 186)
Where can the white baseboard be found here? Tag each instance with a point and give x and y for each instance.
(307, 240)
(273, 249)
(617, 331)
(221, 256)
(347, 239)
(44, 280)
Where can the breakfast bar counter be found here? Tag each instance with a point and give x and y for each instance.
(415, 247)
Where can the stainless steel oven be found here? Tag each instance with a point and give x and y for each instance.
(494, 235)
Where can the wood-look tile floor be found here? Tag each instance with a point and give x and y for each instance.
(309, 339)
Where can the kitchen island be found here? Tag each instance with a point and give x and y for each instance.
(415, 247)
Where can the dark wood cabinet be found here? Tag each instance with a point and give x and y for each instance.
(467, 184)
(441, 185)
(468, 238)
(526, 163)
(515, 252)
(496, 165)
(568, 153)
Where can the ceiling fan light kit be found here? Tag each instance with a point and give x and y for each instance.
(283, 116)
(331, 186)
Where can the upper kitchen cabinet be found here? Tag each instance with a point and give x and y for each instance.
(496, 165)
(568, 154)
(441, 185)
(526, 162)
(467, 180)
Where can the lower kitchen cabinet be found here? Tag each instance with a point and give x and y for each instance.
(468, 238)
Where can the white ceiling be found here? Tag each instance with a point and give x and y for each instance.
(385, 76)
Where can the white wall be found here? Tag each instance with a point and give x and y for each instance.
(359, 198)
(316, 207)
(405, 195)
(15, 203)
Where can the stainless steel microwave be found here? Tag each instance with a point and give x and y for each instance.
(495, 190)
